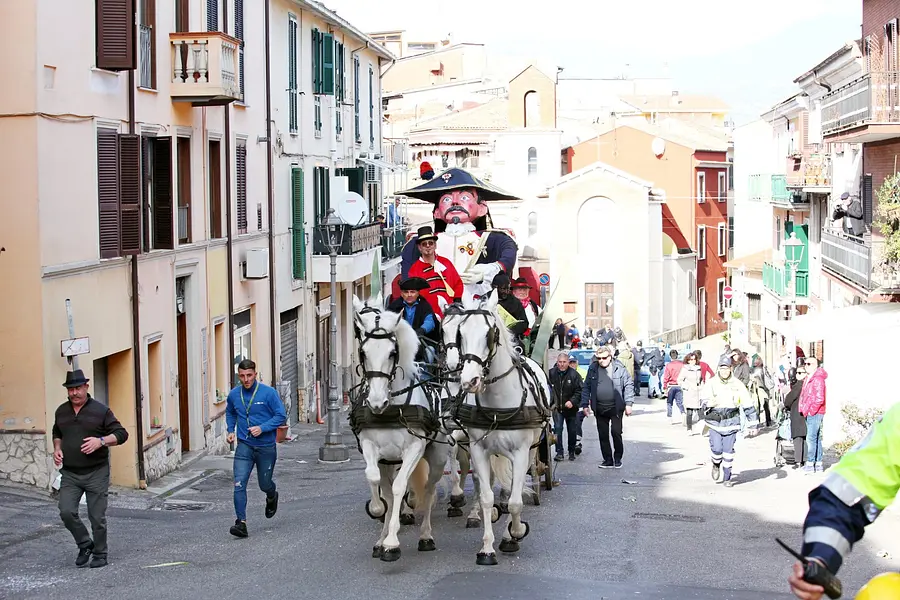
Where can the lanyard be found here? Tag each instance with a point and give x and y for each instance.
(246, 407)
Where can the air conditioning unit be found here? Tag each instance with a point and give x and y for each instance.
(256, 264)
(373, 174)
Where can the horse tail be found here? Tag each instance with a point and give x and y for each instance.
(502, 470)
(418, 480)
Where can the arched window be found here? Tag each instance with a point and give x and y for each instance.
(532, 224)
(595, 215)
(532, 161)
(532, 109)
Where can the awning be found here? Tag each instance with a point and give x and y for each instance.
(375, 162)
(874, 315)
(751, 262)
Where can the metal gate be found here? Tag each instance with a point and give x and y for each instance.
(289, 365)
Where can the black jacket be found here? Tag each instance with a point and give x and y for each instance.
(423, 309)
(565, 387)
(512, 305)
(93, 420)
(792, 403)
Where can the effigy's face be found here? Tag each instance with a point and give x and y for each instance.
(460, 206)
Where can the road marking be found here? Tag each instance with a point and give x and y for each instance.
(170, 564)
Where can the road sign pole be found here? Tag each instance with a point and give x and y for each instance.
(73, 360)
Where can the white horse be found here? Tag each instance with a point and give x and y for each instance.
(507, 415)
(389, 431)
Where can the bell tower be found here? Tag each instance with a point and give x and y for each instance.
(532, 100)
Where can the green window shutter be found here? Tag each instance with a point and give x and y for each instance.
(357, 178)
(316, 65)
(339, 65)
(298, 231)
(292, 75)
(327, 49)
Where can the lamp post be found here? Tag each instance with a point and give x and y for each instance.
(333, 450)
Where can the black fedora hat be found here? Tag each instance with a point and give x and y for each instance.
(456, 179)
(75, 378)
(425, 233)
(414, 283)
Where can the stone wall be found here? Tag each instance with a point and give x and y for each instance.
(159, 461)
(214, 435)
(24, 459)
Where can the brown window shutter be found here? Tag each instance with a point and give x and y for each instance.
(145, 193)
(163, 234)
(130, 193)
(108, 192)
(115, 35)
(241, 171)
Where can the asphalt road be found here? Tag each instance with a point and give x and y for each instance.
(669, 533)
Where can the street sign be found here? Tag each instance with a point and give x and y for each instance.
(75, 346)
(544, 279)
(728, 292)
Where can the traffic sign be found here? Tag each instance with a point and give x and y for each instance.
(544, 279)
(74, 347)
(728, 292)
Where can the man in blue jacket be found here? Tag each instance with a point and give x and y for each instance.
(609, 391)
(257, 411)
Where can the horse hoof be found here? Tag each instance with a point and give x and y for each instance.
(518, 538)
(457, 501)
(486, 559)
(454, 511)
(377, 551)
(509, 546)
(407, 519)
(473, 523)
(427, 545)
(373, 515)
(495, 514)
(390, 554)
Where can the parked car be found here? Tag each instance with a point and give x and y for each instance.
(645, 372)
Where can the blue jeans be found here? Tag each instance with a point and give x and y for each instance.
(570, 420)
(245, 458)
(814, 447)
(675, 395)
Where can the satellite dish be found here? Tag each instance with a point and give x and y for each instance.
(658, 146)
(351, 208)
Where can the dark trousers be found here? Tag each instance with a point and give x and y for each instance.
(799, 447)
(675, 395)
(569, 418)
(721, 447)
(245, 458)
(559, 336)
(689, 417)
(95, 486)
(610, 422)
(581, 416)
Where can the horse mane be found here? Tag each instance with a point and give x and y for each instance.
(408, 344)
(506, 336)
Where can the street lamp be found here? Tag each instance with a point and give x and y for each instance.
(793, 256)
(331, 231)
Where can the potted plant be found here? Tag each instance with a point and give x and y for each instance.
(887, 220)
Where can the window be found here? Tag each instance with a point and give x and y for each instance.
(356, 129)
(701, 242)
(242, 341)
(212, 15)
(371, 107)
(532, 224)
(215, 189)
(722, 192)
(323, 63)
(731, 233)
(777, 242)
(184, 190)
(182, 15)
(532, 161)
(293, 125)
(317, 116)
(532, 109)
(692, 285)
(240, 159)
(339, 89)
(720, 296)
(158, 195)
(722, 240)
(701, 188)
(147, 38)
(321, 192)
(731, 176)
(114, 50)
(155, 387)
(239, 34)
(298, 227)
(118, 193)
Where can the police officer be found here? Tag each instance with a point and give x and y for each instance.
(855, 492)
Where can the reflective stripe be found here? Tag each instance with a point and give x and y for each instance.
(829, 537)
(847, 493)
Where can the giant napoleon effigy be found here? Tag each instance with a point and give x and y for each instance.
(465, 234)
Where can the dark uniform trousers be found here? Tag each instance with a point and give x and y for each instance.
(95, 486)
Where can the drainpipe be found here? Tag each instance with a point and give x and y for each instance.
(819, 83)
(136, 319)
(271, 198)
(229, 250)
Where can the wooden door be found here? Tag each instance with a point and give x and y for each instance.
(215, 190)
(599, 310)
(184, 413)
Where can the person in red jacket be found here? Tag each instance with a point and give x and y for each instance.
(671, 388)
(812, 407)
(439, 272)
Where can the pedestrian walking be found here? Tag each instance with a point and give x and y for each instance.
(762, 389)
(728, 410)
(565, 385)
(796, 423)
(573, 365)
(255, 412)
(689, 380)
(705, 370)
(812, 407)
(671, 388)
(608, 391)
(83, 431)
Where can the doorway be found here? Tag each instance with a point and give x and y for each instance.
(599, 308)
(184, 411)
(289, 360)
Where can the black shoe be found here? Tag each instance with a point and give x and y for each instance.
(715, 472)
(239, 529)
(558, 457)
(606, 464)
(572, 456)
(98, 561)
(618, 464)
(84, 554)
(271, 505)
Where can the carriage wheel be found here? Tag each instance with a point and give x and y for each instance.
(548, 472)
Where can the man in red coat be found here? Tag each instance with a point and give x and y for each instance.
(439, 272)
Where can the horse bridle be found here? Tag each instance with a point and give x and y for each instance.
(493, 338)
(378, 333)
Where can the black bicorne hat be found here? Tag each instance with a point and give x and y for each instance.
(414, 283)
(456, 179)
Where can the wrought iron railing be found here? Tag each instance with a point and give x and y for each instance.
(872, 98)
(392, 241)
(354, 239)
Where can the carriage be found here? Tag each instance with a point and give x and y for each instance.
(480, 397)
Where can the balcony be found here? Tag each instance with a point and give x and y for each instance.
(813, 175)
(356, 255)
(204, 68)
(777, 280)
(392, 241)
(849, 257)
(774, 189)
(865, 110)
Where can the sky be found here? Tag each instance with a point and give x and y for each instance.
(746, 53)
